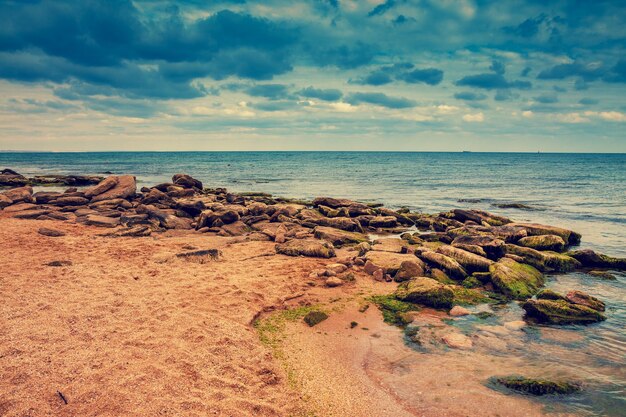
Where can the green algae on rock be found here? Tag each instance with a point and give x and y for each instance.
(543, 242)
(315, 317)
(394, 310)
(544, 260)
(306, 247)
(535, 386)
(560, 312)
(426, 291)
(515, 280)
(591, 259)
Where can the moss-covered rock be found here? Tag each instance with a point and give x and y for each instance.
(583, 299)
(446, 263)
(515, 280)
(425, 291)
(543, 242)
(315, 317)
(560, 312)
(534, 229)
(591, 259)
(306, 247)
(493, 247)
(471, 282)
(394, 310)
(549, 295)
(544, 260)
(339, 237)
(468, 260)
(468, 296)
(602, 274)
(536, 386)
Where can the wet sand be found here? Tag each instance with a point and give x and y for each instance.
(130, 329)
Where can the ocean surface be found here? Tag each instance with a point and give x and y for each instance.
(583, 192)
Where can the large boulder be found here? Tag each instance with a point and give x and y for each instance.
(383, 222)
(543, 242)
(591, 259)
(5, 201)
(339, 237)
(20, 195)
(468, 260)
(544, 260)
(449, 265)
(515, 280)
(306, 247)
(186, 181)
(391, 262)
(220, 217)
(112, 187)
(534, 229)
(560, 312)
(426, 291)
(10, 178)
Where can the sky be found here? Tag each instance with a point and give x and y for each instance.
(400, 75)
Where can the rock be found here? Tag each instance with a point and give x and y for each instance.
(379, 275)
(186, 181)
(338, 237)
(31, 214)
(44, 197)
(59, 263)
(337, 268)
(472, 282)
(515, 325)
(449, 265)
(124, 187)
(69, 201)
(51, 232)
(238, 228)
(469, 261)
(492, 246)
(103, 186)
(458, 311)
(390, 262)
(602, 274)
(535, 229)
(193, 208)
(10, 178)
(560, 312)
(334, 282)
(333, 202)
(581, 298)
(201, 256)
(425, 291)
(134, 231)
(543, 242)
(315, 317)
(370, 267)
(20, 195)
(548, 294)
(515, 280)
(400, 218)
(409, 269)
(544, 260)
(479, 217)
(210, 218)
(457, 341)
(155, 196)
(591, 259)
(395, 245)
(5, 201)
(101, 221)
(306, 247)
(535, 386)
(383, 222)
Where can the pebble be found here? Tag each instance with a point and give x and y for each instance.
(457, 341)
(458, 311)
(334, 282)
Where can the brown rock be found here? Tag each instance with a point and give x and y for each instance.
(101, 221)
(409, 269)
(334, 282)
(19, 195)
(306, 247)
(458, 311)
(125, 187)
(69, 201)
(457, 341)
(390, 262)
(186, 181)
(50, 232)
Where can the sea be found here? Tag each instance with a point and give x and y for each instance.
(582, 192)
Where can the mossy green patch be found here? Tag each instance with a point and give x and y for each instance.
(467, 296)
(393, 309)
(471, 282)
(536, 386)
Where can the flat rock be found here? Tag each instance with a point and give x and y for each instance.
(125, 186)
(51, 232)
(535, 229)
(515, 280)
(468, 260)
(449, 265)
(306, 247)
(339, 237)
(425, 291)
(101, 221)
(457, 341)
(458, 311)
(543, 242)
(391, 262)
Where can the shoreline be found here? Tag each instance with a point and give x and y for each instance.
(172, 293)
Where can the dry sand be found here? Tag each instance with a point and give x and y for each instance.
(129, 329)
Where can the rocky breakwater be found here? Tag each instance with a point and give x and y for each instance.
(10, 178)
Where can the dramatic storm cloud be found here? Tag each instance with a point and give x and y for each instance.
(313, 74)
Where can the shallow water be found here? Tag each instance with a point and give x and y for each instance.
(583, 192)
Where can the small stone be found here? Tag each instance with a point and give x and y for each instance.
(315, 317)
(457, 341)
(337, 267)
(50, 232)
(334, 282)
(379, 275)
(458, 311)
(59, 263)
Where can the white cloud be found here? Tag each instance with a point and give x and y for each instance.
(527, 113)
(477, 117)
(613, 116)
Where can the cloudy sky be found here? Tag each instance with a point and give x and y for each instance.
(313, 75)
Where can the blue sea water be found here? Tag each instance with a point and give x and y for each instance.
(583, 192)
